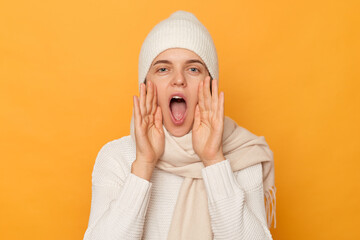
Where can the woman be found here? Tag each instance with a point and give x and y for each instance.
(186, 171)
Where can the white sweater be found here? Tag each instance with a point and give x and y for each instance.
(125, 206)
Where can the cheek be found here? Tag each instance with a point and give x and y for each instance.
(162, 101)
(160, 97)
(195, 93)
(193, 100)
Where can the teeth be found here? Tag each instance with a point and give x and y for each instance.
(177, 97)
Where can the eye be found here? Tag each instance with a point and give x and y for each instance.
(194, 69)
(162, 69)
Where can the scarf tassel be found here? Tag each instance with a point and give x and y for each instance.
(271, 206)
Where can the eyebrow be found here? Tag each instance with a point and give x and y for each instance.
(188, 61)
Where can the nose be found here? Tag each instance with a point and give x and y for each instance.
(179, 80)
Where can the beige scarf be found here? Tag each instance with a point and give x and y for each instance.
(191, 219)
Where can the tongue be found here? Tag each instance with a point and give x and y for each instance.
(178, 109)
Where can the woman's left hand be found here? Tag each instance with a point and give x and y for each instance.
(209, 123)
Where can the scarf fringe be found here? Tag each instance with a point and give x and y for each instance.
(271, 206)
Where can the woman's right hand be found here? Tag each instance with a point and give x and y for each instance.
(149, 133)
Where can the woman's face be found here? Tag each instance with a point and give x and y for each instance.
(177, 72)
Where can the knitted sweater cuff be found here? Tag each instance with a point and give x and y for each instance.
(220, 182)
(135, 195)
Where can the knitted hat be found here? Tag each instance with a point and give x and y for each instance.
(181, 30)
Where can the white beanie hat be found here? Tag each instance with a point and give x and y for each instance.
(181, 30)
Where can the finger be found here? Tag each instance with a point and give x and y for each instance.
(221, 105)
(137, 114)
(154, 102)
(142, 100)
(158, 118)
(149, 97)
(214, 97)
(201, 97)
(197, 117)
(207, 96)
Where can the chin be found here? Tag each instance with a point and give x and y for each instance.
(179, 131)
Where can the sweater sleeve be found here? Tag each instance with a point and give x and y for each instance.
(236, 202)
(119, 200)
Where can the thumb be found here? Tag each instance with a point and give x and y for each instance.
(158, 118)
(197, 117)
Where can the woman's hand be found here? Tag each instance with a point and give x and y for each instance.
(209, 123)
(149, 134)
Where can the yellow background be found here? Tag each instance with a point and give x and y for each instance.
(68, 71)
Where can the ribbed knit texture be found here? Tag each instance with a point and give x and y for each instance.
(125, 206)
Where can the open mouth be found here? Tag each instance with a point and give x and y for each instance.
(177, 108)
